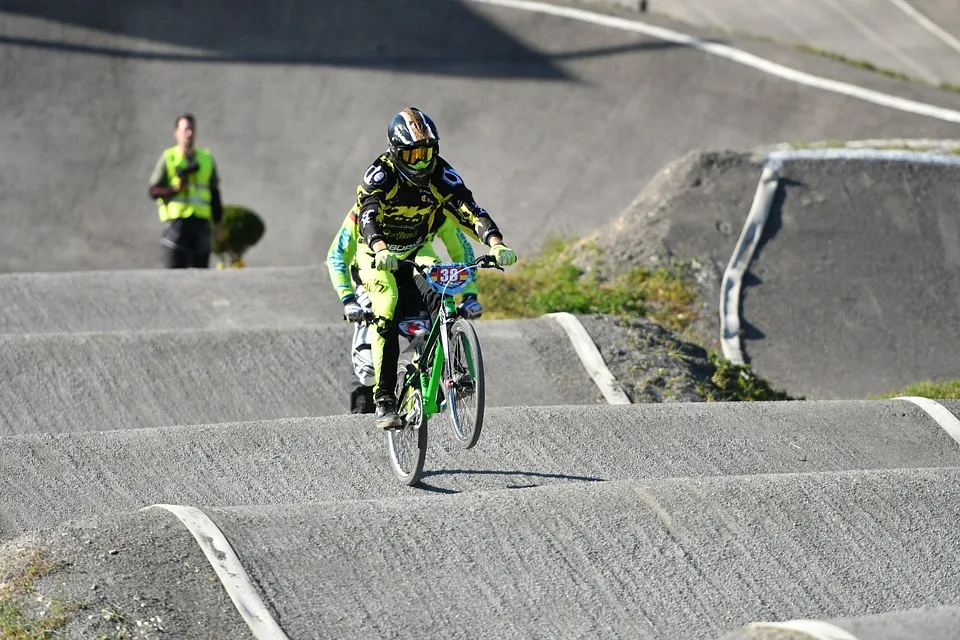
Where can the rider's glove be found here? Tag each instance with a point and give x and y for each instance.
(470, 308)
(385, 261)
(352, 310)
(505, 255)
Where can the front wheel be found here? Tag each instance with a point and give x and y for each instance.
(463, 383)
(407, 446)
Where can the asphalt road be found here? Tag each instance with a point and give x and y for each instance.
(554, 124)
(920, 38)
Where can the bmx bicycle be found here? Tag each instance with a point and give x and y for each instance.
(444, 373)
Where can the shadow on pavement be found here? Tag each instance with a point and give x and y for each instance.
(403, 35)
(476, 472)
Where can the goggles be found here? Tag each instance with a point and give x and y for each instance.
(417, 158)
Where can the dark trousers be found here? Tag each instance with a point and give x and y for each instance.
(186, 244)
(182, 258)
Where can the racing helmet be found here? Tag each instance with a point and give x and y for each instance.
(413, 144)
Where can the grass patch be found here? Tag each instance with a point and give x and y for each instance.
(869, 66)
(551, 282)
(23, 617)
(854, 62)
(945, 390)
(737, 383)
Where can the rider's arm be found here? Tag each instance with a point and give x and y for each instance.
(379, 184)
(340, 256)
(463, 209)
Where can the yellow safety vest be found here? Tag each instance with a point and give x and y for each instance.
(196, 199)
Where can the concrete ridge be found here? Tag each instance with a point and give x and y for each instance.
(753, 226)
(590, 358)
(229, 569)
(805, 630)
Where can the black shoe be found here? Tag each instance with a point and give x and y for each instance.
(386, 415)
(361, 400)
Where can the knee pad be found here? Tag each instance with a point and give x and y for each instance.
(363, 366)
(362, 355)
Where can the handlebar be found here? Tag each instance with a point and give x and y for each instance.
(485, 261)
(481, 262)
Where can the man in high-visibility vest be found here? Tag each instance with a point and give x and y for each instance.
(186, 188)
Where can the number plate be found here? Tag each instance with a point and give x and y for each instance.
(448, 276)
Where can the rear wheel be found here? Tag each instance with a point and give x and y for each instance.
(463, 383)
(407, 446)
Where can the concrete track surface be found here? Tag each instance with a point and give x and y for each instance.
(226, 391)
(56, 383)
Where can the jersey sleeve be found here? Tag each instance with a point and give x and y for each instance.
(378, 185)
(340, 256)
(461, 207)
(459, 248)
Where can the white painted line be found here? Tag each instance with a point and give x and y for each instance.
(813, 629)
(776, 158)
(730, 290)
(941, 415)
(229, 569)
(740, 261)
(590, 357)
(736, 55)
(927, 24)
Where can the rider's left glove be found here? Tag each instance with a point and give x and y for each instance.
(352, 311)
(385, 261)
(470, 308)
(505, 255)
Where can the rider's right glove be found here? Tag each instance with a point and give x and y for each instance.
(470, 308)
(505, 255)
(385, 261)
(352, 311)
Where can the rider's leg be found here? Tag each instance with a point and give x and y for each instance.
(381, 286)
(361, 396)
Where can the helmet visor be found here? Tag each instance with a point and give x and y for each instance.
(418, 157)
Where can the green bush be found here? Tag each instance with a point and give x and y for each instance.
(241, 229)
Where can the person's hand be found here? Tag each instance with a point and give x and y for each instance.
(352, 311)
(470, 308)
(504, 255)
(218, 231)
(385, 261)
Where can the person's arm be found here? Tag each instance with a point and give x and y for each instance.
(459, 248)
(378, 181)
(340, 255)
(160, 186)
(463, 209)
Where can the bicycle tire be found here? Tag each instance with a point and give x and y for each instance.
(407, 446)
(465, 389)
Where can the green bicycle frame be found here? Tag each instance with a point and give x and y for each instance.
(433, 351)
